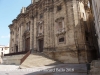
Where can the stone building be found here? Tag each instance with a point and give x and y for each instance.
(61, 29)
(3, 50)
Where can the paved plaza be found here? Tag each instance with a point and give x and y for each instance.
(62, 69)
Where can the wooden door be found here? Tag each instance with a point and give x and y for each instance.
(27, 44)
(16, 48)
(41, 45)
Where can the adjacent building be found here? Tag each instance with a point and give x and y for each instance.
(61, 29)
(4, 50)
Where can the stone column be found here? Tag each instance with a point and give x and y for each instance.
(46, 29)
(21, 38)
(10, 42)
(35, 33)
(31, 35)
(14, 48)
(19, 45)
(51, 29)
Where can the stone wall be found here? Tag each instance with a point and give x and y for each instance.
(95, 67)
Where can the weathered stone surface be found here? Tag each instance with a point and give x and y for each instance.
(64, 56)
(95, 68)
(37, 60)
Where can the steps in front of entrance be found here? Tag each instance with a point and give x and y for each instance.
(13, 59)
(38, 60)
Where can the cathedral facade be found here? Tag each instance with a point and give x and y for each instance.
(61, 29)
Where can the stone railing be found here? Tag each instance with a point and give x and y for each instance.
(18, 53)
(26, 55)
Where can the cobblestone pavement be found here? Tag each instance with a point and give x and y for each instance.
(62, 69)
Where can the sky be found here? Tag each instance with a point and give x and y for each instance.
(9, 9)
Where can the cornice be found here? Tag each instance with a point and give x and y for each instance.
(21, 15)
(14, 21)
(10, 26)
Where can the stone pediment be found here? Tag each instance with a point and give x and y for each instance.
(59, 19)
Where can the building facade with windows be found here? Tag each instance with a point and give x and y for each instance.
(4, 50)
(61, 29)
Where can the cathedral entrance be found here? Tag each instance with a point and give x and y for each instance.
(27, 44)
(40, 44)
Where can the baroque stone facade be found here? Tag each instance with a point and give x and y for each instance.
(61, 29)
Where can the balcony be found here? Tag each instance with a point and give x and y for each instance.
(40, 34)
(61, 31)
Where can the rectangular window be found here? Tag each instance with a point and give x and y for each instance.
(59, 8)
(61, 39)
(2, 49)
(41, 16)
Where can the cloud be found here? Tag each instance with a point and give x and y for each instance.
(8, 36)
